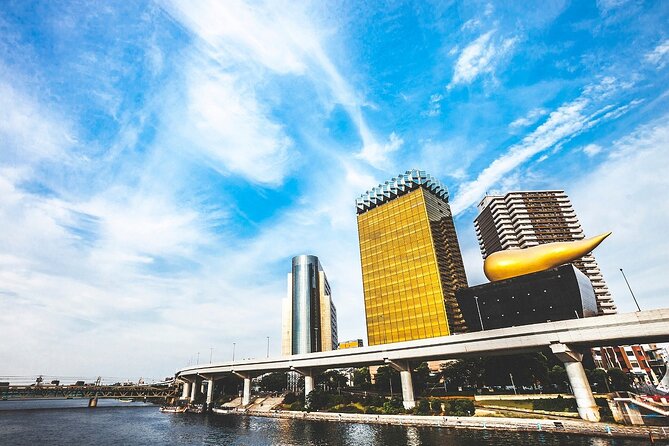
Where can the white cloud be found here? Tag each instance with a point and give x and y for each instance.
(607, 5)
(658, 56)
(377, 154)
(592, 149)
(282, 39)
(434, 108)
(529, 119)
(225, 122)
(627, 195)
(563, 124)
(30, 133)
(480, 57)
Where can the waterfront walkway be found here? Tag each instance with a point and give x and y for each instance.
(493, 423)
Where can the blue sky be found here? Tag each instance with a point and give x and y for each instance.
(161, 162)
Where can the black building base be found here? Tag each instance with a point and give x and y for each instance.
(554, 295)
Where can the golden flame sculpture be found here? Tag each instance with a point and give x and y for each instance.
(516, 262)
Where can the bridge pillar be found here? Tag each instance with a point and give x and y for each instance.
(246, 396)
(404, 368)
(585, 401)
(308, 375)
(210, 393)
(195, 385)
(93, 402)
(185, 392)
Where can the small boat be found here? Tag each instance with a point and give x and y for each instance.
(173, 409)
(126, 400)
(196, 408)
(222, 410)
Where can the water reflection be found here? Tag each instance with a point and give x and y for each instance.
(147, 426)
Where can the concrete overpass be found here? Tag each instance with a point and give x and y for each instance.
(566, 339)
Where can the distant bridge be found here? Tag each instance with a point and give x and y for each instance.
(91, 391)
(566, 339)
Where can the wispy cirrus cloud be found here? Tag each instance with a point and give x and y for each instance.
(562, 124)
(659, 55)
(26, 138)
(592, 149)
(532, 116)
(280, 39)
(634, 167)
(480, 57)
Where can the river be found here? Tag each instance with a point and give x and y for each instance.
(115, 423)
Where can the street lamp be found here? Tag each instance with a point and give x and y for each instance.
(630, 288)
(233, 351)
(268, 346)
(478, 309)
(211, 353)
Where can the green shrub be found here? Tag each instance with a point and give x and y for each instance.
(316, 400)
(374, 400)
(461, 408)
(349, 408)
(296, 406)
(290, 398)
(435, 406)
(558, 404)
(393, 406)
(423, 407)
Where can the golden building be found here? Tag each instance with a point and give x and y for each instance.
(411, 260)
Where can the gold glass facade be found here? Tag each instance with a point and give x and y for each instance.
(411, 267)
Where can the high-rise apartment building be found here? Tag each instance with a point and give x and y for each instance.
(411, 260)
(525, 219)
(309, 322)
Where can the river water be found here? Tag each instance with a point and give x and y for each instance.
(114, 423)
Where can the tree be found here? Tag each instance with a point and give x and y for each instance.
(274, 382)
(420, 377)
(528, 370)
(619, 380)
(387, 377)
(463, 373)
(332, 380)
(557, 376)
(362, 378)
(316, 400)
(599, 380)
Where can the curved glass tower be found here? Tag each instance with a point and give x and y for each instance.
(306, 308)
(309, 316)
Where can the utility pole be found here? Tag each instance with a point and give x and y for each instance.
(233, 351)
(198, 358)
(630, 288)
(268, 346)
(211, 353)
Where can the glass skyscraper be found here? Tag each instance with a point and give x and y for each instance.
(309, 316)
(411, 260)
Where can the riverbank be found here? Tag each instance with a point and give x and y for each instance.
(481, 423)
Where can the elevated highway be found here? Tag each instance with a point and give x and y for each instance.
(566, 339)
(92, 392)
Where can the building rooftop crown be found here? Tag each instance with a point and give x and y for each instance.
(398, 186)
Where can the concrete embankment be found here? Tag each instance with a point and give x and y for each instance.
(492, 423)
